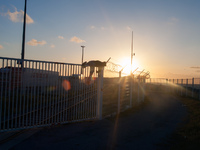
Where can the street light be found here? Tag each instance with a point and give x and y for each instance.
(82, 52)
(23, 36)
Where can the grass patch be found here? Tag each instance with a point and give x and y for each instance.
(188, 136)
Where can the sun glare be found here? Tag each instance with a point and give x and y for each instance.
(126, 63)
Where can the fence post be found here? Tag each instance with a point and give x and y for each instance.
(138, 89)
(131, 90)
(199, 90)
(100, 93)
(119, 93)
(186, 88)
(144, 90)
(192, 87)
(181, 87)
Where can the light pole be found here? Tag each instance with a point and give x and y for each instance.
(23, 37)
(82, 52)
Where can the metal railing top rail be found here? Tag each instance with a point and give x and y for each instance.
(18, 59)
(179, 78)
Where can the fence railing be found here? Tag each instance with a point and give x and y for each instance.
(41, 93)
(183, 87)
(186, 87)
(121, 93)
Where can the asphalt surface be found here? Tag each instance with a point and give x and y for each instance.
(149, 128)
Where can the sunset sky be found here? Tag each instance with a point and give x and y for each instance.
(166, 32)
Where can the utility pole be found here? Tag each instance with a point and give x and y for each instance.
(23, 36)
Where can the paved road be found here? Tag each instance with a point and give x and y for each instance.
(144, 129)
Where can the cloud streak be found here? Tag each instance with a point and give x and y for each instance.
(60, 37)
(76, 40)
(18, 16)
(195, 67)
(34, 42)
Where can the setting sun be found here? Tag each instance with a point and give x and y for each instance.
(126, 64)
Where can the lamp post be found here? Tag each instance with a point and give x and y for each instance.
(23, 36)
(82, 58)
(82, 52)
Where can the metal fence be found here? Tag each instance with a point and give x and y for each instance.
(186, 87)
(183, 87)
(121, 93)
(40, 93)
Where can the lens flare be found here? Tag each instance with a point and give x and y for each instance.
(66, 85)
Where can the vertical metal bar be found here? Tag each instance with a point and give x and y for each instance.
(138, 90)
(68, 98)
(199, 89)
(37, 78)
(13, 94)
(100, 92)
(62, 95)
(56, 104)
(28, 97)
(44, 106)
(74, 92)
(2, 87)
(181, 87)
(9, 94)
(59, 97)
(76, 99)
(32, 95)
(51, 101)
(17, 95)
(192, 87)
(45, 102)
(82, 92)
(186, 88)
(5, 97)
(131, 89)
(35, 96)
(119, 94)
(24, 91)
(21, 94)
(41, 80)
(48, 108)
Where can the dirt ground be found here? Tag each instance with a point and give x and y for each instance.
(147, 127)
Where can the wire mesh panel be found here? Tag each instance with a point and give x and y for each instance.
(39, 93)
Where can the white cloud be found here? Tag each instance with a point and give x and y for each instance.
(76, 40)
(34, 42)
(97, 28)
(52, 46)
(60, 37)
(18, 16)
(1, 47)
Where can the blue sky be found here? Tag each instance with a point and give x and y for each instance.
(166, 33)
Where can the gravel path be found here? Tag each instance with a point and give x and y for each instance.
(144, 129)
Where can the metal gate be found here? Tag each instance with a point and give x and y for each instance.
(40, 93)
